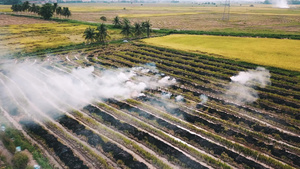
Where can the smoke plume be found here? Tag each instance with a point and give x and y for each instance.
(242, 87)
(45, 87)
(280, 3)
(179, 98)
(166, 95)
(203, 98)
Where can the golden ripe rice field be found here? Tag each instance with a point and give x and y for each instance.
(282, 53)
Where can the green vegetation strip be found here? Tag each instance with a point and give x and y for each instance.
(233, 33)
(19, 140)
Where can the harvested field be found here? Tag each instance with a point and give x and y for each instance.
(6, 20)
(151, 131)
(165, 105)
(257, 19)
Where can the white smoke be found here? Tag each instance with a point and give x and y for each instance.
(203, 98)
(280, 3)
(166, 95)
(42, 86)
(242, 87)
(179, 98)
(167, 80)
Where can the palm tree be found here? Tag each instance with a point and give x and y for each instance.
(146, 25)
(138, 29)
(32, 8)
(46, 11)
(58, 11)
(37, 9)
(116, 22)
(126, 21)
(89, 35)
(66, 12)
(102, 34)
(25, 6)
(126, 28)
(55, 7)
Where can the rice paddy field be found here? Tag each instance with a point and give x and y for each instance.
(282, 53)
(243, 18)
(167, 102)
(259, 19)
(27, 34)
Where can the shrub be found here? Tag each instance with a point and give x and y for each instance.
(20, 160)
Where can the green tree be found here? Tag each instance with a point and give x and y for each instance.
(58, 11)
(32, 8)
(126, 28)
(66, 12)
(37, 9)
(89, 35)
(138, 31)
(147, 25)
(54, 7)
(46, 11)
(16, 7)
(117, 22)
(102, 34)
(20, 160)
(25, 6)
(126, 21)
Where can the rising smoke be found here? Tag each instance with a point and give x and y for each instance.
(242, 86)
(166, 95)
(44, 88)
(179, 98)
(203, 98)
(280, 3)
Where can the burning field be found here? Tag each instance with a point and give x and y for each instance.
(139, 106)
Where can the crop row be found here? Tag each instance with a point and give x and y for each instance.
(234, 117)
(216, 71)
(221, 129)
(194, 94)
(142, 136)
(197, 140)
(96, 122)
(283, 74)
(221, 65)
(121, 58)
(62, 151)
(204, 73)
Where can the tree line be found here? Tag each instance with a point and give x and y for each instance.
(46, 11)
(100, 34)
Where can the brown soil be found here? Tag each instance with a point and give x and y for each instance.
(4, 152)
(31, 161)
(6, 20)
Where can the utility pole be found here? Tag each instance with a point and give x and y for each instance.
(226, 11)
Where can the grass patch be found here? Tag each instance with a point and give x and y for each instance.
(282, 53)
